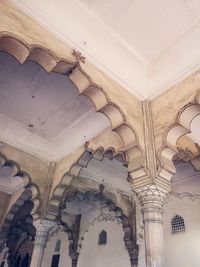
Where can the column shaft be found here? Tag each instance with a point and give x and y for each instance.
(43, 228)
(154, 240)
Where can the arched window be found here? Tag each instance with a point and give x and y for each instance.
(177, 224)
(102, 238)
(58, 244)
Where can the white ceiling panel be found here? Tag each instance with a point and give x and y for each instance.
(146, 46)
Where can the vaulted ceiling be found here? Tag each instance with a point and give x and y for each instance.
(144, 45)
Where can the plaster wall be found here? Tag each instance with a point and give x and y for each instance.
(113, 254)
(65, 260)
(183, 249)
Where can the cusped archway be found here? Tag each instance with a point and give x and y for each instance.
(181, 140)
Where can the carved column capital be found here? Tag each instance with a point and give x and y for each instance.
(151, 195)
(152, 198)
(43, 228)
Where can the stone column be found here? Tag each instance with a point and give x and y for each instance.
(151, 180)
(152, 199)
(43, 227)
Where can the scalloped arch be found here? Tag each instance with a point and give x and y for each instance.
(82, 162)
(175, 132)
(24, 51)
(118, 213)
(28, 185)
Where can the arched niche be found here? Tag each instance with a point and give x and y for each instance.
(50, 250)
(112, 254)
(80, 210)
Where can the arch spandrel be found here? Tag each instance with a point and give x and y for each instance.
(128, 103)
(180, 138)
(166, 106)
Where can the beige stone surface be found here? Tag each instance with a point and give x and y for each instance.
(34, 166)
(107, 139)
(185, 142)
(166, 107)
(64, 166)
(129, 104)
(15, 22)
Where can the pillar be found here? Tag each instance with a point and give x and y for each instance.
(151, 181)
(152, 199)
(43, 227)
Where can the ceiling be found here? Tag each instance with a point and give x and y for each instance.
(144, 45)
(43, 113)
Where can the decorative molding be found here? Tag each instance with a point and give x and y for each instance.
(151, 162)
(184, 195)
(47, 191)
(78, 56)
(152, 195)
(150, 180)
